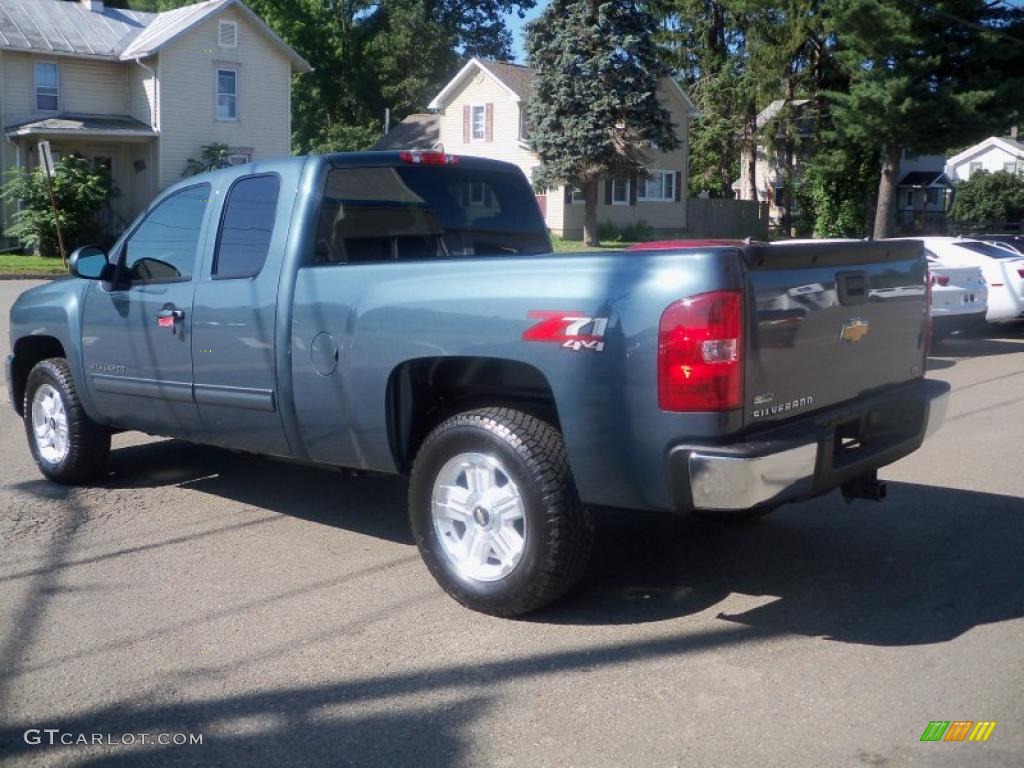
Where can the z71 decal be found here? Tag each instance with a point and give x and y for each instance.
(567, 329)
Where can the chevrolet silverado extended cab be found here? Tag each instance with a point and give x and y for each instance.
(403, 313)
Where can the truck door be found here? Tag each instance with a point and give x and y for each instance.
(234, 319)
(136, 334)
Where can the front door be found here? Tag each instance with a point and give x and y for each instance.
(136, 334)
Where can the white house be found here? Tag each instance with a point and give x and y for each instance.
(482, 112)
(993, 154)
(141, 93)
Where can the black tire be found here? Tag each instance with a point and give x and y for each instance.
(559, 532)
(88, 442)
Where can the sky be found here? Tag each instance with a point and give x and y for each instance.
(516, 25)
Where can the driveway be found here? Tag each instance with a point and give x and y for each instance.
(282, 614)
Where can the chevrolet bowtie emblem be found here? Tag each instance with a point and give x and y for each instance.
(854, 330)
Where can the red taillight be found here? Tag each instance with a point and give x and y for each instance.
(942, 280)
(417, 157)
(700, 353)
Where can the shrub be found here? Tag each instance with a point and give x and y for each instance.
(639, 232)
(989, 197)
(607, 230)
(81, 190)
(212, 157)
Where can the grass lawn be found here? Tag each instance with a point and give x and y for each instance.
(16, 264)
(574, 246)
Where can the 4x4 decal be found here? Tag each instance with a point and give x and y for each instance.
(567, 329)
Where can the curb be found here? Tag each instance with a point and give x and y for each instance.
(30, 276)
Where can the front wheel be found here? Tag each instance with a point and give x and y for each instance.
(495, 513)
(68, 447)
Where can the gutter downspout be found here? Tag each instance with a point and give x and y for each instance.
(154, 121)
(154, 111)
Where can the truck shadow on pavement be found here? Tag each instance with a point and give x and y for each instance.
(925, 566)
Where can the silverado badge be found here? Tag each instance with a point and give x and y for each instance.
(853, 330)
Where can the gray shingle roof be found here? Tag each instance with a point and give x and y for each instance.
(67, 27)
(515, 76)
(69, 123)
(421, 131)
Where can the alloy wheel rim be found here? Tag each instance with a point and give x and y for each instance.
(479, 517)
(50, 424)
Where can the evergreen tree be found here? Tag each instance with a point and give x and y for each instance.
(923, 75)
(595, 109)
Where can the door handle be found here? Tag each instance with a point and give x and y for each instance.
(169, 317)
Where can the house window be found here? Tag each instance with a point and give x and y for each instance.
(524, 124)
(228, 34)
(227, 94)
(577, 195)
(238, 157)
(933, 196)
(620, 192)
(1010, 167)
(910, 199)
(477, 193)
(975, 166)
(47, 86)
(659, 187)
(479, 122)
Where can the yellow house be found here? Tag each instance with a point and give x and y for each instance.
(482, 112)
(141, 93)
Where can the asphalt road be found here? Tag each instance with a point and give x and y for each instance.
(283, 614)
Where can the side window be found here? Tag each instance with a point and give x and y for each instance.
(163, 248)
(246, 227)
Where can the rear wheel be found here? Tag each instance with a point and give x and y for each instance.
(495, 513)
(67, 445)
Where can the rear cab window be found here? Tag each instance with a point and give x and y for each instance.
(247, 226)
(401, 213)
(992, 251)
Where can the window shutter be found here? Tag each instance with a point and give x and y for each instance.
(679, 186)
(228, 34)
(607, 191)
(465, 124)
(567, 199)
(633, 184)
(489, 122)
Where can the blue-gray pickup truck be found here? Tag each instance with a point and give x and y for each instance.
(403, 313)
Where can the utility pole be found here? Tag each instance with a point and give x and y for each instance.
(46, 160)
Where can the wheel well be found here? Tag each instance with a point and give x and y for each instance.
(27, 352)
(424, 392)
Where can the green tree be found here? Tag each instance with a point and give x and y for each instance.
(923, 75)
(989, 199)
(81, 190)
(595, 110)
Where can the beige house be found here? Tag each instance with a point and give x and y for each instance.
(141, 92)
(482, 112)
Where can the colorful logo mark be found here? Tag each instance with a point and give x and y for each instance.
(958, 730)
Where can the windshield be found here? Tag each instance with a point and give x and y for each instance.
(427, 212)
(985, 249)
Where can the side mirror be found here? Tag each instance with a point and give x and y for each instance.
(89, 263)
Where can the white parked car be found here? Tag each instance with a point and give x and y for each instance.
(1002, 267)
(959, 298)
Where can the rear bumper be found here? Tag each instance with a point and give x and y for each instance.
(809, 456)
(943, 325)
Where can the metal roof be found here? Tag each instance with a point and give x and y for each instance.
(61, 27)
(68, 28)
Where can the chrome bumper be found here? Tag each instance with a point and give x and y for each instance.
(731, 482)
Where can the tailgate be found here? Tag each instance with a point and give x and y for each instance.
(832, 321)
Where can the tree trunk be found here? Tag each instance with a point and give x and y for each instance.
(590, 213)
(887, 192)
